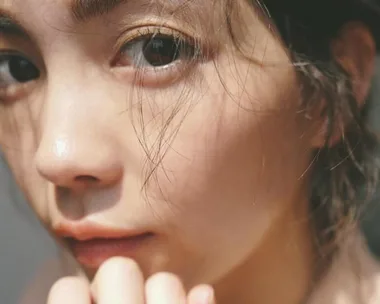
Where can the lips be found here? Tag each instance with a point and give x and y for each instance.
(93, 244)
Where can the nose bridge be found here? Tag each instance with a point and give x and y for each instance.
(75, 145)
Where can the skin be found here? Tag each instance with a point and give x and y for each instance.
(227, 202)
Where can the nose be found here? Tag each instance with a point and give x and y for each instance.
(74, 161)
(77, 148)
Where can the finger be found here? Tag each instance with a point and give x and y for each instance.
(202, 294)
(164, 288)
(119, 281)
(71, 290)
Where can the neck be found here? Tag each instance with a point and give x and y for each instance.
(281, 270)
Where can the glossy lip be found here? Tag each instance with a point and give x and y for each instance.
(92, 244)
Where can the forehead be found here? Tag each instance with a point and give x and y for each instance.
(44, 17)
(91, 8)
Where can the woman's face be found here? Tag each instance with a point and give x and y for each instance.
(128, 117)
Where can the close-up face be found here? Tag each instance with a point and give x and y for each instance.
(126, 118)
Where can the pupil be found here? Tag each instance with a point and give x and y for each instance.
(22, 70)
(160, 51)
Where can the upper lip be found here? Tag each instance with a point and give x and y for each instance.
(88, 230)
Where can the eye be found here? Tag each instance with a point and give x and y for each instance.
(16, 69)
(155, 51)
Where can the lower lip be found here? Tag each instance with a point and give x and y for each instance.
(92, 253)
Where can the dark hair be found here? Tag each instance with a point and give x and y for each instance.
(341, 172)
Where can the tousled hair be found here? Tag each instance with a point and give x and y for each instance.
(339, 173)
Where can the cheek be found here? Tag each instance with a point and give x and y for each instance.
(242, 167)
(233, 166)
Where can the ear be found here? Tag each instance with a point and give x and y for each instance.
(354, 49)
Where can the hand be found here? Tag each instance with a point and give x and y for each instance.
(120, 281)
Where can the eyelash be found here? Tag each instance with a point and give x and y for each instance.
(186, 52)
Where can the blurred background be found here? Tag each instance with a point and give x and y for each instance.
(24, 245)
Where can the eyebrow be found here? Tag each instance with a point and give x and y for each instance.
(80, 10)
(83, 10)
(9, 25)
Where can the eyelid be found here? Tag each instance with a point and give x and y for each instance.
(146, 33)
(10, 52)
(19, 46)
(153, 76)
(153, 29)
(203, 50)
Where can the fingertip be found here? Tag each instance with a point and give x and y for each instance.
(202, 294)
(116, 269)
(165, 288)
(117, 264)
(118, 280)
(70, 290)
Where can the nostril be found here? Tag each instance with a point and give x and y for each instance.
(86, 179)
